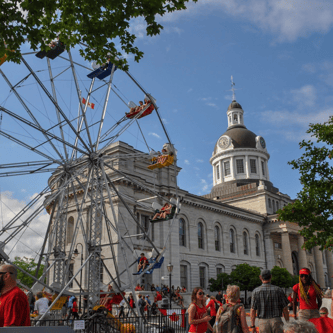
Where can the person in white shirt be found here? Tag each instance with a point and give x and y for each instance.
(121, 308)
(41, 306)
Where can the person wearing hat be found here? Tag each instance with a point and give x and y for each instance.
(268, 303)
(309, 294)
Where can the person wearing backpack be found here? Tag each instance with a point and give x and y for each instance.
(231, 317)
(198, 317)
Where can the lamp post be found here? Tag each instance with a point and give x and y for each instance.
(170, 268)
(76, 253)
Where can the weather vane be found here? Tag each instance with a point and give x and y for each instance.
(233, 88)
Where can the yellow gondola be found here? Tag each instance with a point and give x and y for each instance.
(161, 162)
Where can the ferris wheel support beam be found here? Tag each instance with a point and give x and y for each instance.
(29, 112)
(55, 103)
(106, 101)
(79, 220)
(55, 98)
(24, 164)
(106, 179)
(83, 110)
(29, 123)
(80, 122)
(63, 289)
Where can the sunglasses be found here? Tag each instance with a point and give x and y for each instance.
(200, 293)
(304, 275)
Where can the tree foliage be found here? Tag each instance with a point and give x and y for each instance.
(216, 284)
(29, 266)
(96, 23)
(314, 205)
(246, 277)
(281, 277)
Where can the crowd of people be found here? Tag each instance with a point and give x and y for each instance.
(220, 314)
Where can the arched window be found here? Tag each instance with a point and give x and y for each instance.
(257, 245)
(245, 243)
(217, 238)
(182, 239)
(200, 236)
(277, 206)
(269, 203)
(232, 241)
(273, 206)
(70, 230)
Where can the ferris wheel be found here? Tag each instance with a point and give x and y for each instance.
(66, 116)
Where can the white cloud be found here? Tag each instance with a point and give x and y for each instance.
(309, 68)
(205, 185)
(200, 161)
(155, 135)
(189, 90)
(187, 162)
(287, 20)
(165, 121)
(33, 237)
(286, 117)
(305, 96)
(212, 105)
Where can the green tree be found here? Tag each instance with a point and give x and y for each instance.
(97, 23)
(313, 209)
(282, 278)
(29, 266)
(246, 277)
(222, 279)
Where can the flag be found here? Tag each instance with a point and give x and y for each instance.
(91, 105)
(175, 315)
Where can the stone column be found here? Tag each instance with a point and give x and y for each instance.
(287, 261)
(329, 263)
(232, 168)
(318, 257)
(270, 258)
(221, 171)
(302, 259)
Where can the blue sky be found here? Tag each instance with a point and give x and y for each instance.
(279, 53)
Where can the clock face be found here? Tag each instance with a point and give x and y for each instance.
(224, 142)
(262, 142)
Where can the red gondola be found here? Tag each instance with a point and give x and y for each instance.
(147, 112)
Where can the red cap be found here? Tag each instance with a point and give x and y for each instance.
(304, 271)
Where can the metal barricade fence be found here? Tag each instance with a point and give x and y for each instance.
(174, 323)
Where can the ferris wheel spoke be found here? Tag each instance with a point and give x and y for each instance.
(57, 112)
(29, 123)
(80, 98)
(29, 112)
(83, 118)
(24, 164)
(55, 103)
(21, 143)
(23, 173)
(106, 101)
(107, 179)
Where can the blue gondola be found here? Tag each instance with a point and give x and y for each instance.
(53, 53)
(157, 265)
(102, 72)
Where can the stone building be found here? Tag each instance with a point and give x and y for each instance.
(235, 223)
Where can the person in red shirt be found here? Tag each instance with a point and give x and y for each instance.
(198, 317)
(309, 294)
(74, 309)
(211, 306)
(323, 324)
(290, 300)
(14, 305)
(138, 288)
(158, 297)
(143, 262)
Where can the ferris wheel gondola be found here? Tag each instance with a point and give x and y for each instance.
(84, 181)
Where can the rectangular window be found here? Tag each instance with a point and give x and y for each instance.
(144, 222)
(263, 167)
(218, 172)
(278, 245)
(227, 168)
(218, 271)
(240, 166)
(253, 166)
(183, 276)
(202, 274)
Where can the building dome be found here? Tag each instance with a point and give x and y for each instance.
(234, 105)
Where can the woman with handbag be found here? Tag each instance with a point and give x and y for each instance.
(231, 317)
(198, 317)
